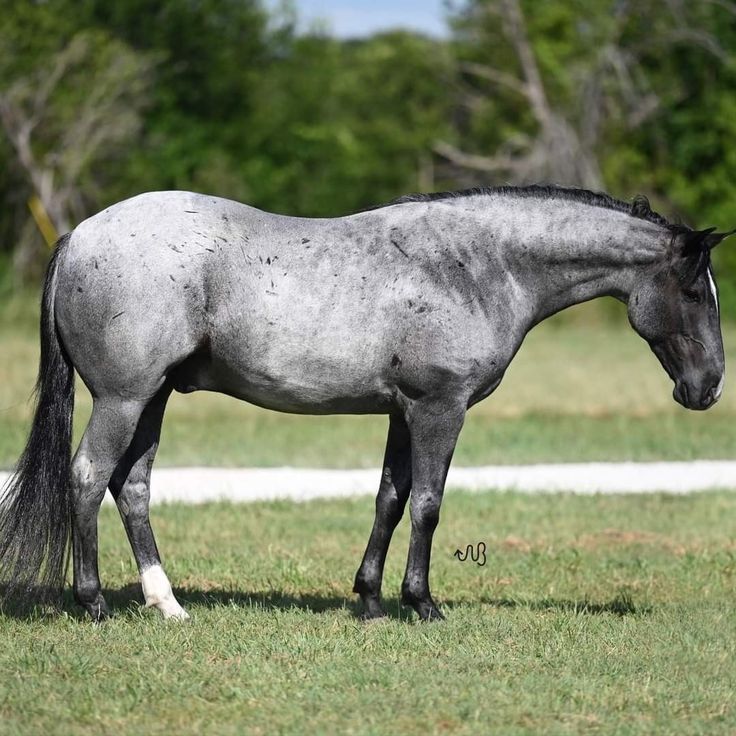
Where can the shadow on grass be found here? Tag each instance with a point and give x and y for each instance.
(621, 605)
(129, 597)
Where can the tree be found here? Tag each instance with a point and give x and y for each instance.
(562, 77)
(68, 119)
(344, 125)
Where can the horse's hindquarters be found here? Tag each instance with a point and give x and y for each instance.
(125, 316)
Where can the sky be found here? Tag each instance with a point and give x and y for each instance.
(354, 18)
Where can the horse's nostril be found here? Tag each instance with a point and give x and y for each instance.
(712, 395)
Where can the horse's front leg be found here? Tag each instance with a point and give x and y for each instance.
(434, 431)
(390, 502)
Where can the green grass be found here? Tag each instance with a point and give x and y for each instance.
(594, 615)
(583, 388)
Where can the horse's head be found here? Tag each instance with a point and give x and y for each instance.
(674, 307)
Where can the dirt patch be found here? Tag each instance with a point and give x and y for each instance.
(622, 538)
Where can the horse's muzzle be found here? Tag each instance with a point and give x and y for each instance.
(691, 398)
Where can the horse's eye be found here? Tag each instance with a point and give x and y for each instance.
(692, 296)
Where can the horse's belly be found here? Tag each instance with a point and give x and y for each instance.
(298, 384)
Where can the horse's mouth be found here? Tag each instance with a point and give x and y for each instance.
(685, 393)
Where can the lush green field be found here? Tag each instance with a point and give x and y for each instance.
(592, 615)
(583, 388)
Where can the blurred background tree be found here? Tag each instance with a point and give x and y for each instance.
(100, 100)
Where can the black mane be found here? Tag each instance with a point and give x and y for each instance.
(639, 207)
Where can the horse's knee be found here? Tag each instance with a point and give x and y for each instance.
(86, 592)
(133, 501)
(425, 513)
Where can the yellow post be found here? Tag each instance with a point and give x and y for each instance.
(35, 205)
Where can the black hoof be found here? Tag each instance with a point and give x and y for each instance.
(97, 609)
(429, 612)
(372, 609)
(425, 607)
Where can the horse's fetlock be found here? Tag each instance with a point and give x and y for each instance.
(413, 593)
(366, 584)
(87, 594)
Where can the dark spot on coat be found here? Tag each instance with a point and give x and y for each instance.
(80, 289)
(395, 361)
(191, 212)
(305, 240)
(399, 248)
(172, 278)
(460, 264)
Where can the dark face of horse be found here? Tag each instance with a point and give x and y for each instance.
(676, 312)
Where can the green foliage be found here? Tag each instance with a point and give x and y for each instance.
(346, 125)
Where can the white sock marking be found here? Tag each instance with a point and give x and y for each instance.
(157, 592)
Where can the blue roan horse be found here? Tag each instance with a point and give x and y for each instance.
(413, 310)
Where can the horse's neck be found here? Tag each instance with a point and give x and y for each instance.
(561, 253)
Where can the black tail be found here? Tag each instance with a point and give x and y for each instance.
(35, 505)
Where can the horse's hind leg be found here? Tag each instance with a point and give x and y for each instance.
(130, 486)
(108, 435)
(390, 502)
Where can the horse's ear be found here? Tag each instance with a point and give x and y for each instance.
(696, 247)
(640, 206)
(712, 239)
(695, 242)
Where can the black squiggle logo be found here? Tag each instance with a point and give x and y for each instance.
(475, 553)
